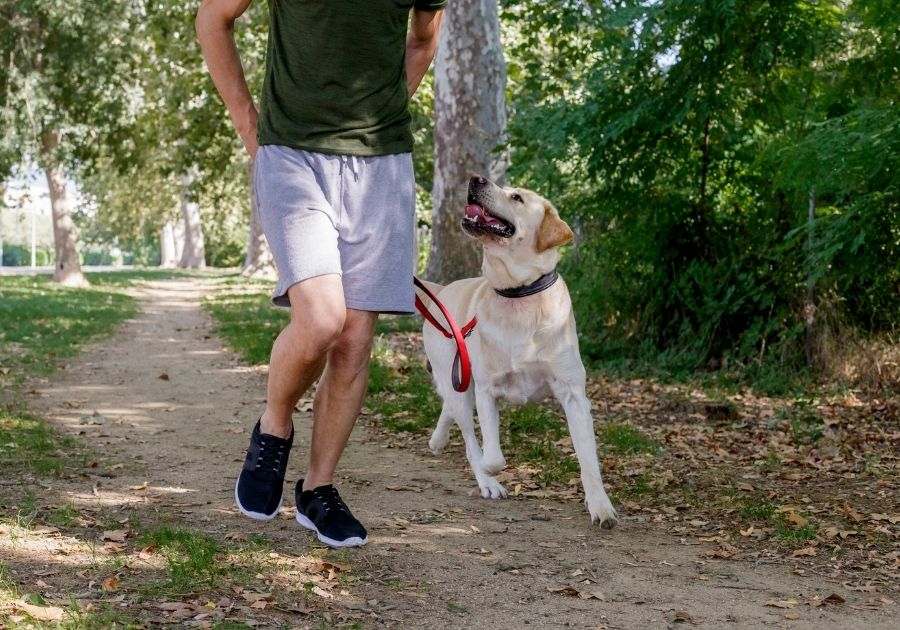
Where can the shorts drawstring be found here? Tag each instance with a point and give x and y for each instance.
(351, 162)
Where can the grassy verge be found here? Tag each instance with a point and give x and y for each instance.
(125, 565)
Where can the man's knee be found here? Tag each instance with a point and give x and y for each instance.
(317, 316)
(355, 341)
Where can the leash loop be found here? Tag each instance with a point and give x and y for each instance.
(461, 374)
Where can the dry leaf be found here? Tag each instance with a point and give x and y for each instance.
(115, 535)
(834, 598)
(798, 520)
(41, 613)
(682, 616)
(782, 603)
(806, 551)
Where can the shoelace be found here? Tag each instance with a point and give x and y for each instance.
(270, 458)
(330, 498)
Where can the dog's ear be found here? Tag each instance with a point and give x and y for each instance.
(553, 231)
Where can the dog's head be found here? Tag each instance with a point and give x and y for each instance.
(516, 225)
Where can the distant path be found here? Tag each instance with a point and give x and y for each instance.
(36, 271)
(172, 400)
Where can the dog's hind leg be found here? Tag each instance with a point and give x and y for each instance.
(441, 434)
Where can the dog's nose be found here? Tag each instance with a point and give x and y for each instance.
(478, 180)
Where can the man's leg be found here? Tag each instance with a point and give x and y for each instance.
(339, 396)
(318, 317)
(298, 355)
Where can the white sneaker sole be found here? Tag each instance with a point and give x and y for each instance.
(259, 516)
(355, 541)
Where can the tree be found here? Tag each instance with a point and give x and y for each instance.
(470, 119)
(689, 135)
(60, 104)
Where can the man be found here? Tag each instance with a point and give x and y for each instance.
(336, 197)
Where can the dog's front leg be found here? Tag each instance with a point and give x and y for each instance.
(489, 421)
(571, 396)
(487, 483)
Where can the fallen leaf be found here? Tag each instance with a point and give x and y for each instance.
(682, 616)
(115, 535)
(41, 613)
(806, 551)
(834, 598)
(854, 516)
(798, 520)
(782, 603)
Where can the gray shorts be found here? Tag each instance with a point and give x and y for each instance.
(348, 215)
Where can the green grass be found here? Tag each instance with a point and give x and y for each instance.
(44, 323)
(405, 401)
(758, 508)
(626, 439)
(248, 321)
(27, 443)
(190, 559)
(388, 324)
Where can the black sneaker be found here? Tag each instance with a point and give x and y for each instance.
(323, 511)
(258, 489)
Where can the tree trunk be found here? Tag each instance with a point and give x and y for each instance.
(68, 267)
(194, 254)
(470, 120)
(258, 262)
(167, 256)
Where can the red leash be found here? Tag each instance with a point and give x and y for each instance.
(461, 374)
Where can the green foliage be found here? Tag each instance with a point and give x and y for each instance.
(682, 141)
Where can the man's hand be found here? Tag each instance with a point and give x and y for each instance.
(215, 30)
(420, 46)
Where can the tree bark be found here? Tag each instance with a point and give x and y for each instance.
(167, 255)
(258, 263)
(67, 270)
(194, 254)
(470, 121)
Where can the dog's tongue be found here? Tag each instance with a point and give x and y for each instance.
(477, 213)
(474, 211)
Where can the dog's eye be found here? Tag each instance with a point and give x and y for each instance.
(517, 197)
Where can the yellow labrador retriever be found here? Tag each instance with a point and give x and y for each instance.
(524, 347)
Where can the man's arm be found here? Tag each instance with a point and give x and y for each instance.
(420, 46)
(215, 30)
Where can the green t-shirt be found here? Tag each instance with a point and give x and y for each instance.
(335, 76)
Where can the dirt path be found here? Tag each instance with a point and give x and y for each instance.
(166, 401)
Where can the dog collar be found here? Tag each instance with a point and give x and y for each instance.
(544, 282)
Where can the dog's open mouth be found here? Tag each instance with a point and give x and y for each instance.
(479, 221)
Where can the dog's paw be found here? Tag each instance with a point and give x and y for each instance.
(603, 512)
(491, 488)
(493, 462)
(438, 441)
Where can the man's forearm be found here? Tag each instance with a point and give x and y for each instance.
(420, 46)
(216, 35)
